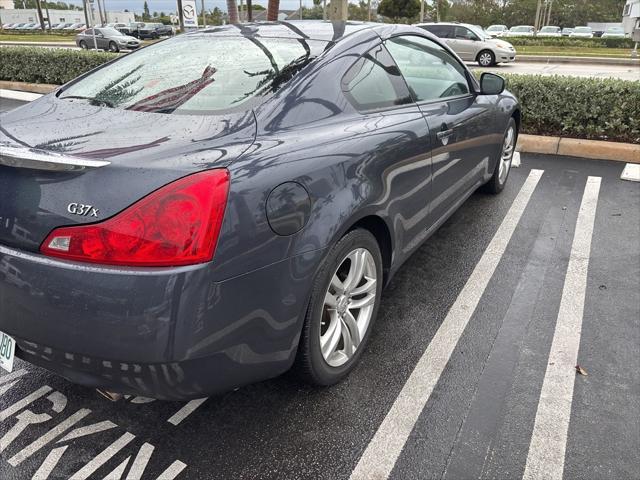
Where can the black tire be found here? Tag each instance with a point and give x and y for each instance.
(495, 185)
(310, 365)
(113, 47)
(83, 45)
(486, 58)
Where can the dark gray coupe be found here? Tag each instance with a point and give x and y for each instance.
(219, 207)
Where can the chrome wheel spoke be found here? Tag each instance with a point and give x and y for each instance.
(330, 301)
(329, 341)
(347, 340)
(368, 287)
(352, 325)
(362, 302)
(356, 269)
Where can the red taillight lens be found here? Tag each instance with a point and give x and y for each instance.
(175, 225)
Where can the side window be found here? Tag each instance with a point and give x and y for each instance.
(430, 71)
(441, 31)
(89, 32)
(463, 33)
(374, 82)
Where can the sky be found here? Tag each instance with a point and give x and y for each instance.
(170, 5)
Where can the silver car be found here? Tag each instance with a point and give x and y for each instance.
(106, 38)
(472, 44)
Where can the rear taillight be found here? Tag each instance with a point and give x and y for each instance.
(175, 225)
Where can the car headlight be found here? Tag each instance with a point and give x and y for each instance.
(504, 45)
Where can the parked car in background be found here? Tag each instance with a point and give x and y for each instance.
(613, 32)
(472, 44)
(106, 38)
(75, 27)
(132, 29)
(521, 31)
(177, 191)
(25, 26)
(497, 30)
(154, 31)
(567, 31)
(549, 31)
(61, 26)
(7, 26)
(117, 26)
(582, 32)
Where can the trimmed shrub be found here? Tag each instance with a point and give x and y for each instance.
(570, 42)
(45, 65)
(599, 109)
(593, 108)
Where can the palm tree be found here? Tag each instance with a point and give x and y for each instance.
(232, 8)
(272, 10)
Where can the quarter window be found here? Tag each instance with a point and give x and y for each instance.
(374, 82)
(430, 71)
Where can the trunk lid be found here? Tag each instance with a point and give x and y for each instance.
(58, 154)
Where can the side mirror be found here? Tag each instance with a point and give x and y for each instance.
(491, 84)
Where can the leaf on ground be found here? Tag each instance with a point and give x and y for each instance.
(581, 370)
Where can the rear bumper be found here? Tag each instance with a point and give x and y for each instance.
(164, 333)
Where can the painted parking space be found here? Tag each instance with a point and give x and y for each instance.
(454, 382)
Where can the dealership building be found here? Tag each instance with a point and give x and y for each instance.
(9, 15)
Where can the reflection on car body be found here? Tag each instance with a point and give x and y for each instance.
(258, 184)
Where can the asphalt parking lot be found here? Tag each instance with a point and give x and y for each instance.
(468, 373)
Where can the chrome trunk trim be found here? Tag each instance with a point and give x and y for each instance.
(25, 157)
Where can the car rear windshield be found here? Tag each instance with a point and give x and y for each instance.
(196, 74)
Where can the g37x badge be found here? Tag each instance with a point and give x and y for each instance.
(82, 210)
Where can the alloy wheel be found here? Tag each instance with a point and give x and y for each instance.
(507, 154)
(348, 307)
(485, 59)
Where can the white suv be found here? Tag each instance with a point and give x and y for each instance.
(471, 43)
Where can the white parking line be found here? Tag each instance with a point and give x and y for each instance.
(385, 447)
(187, 410)
(549, 439)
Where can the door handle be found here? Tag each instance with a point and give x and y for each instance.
(444, 133)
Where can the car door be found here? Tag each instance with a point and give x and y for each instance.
(101, 40)
(396, 174)
(459, 120)
(466, 43)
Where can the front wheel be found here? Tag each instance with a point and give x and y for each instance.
(343, 307)
(113, 47)
(83, 45)
(503, 167)
(486, 58)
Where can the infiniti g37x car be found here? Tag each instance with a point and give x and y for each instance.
(218, 208)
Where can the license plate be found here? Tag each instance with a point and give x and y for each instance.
(7, 351)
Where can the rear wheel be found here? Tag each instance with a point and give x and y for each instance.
(113, 47)
(503, 166)
(343, 307)
(486, 58)
(83, 45)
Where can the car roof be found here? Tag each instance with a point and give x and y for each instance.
(322, 30)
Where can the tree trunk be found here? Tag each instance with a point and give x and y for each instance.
(232, 8)
(272, 10)
(249, 11)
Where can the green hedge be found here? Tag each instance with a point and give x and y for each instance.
(600, 109)
(45, 65)
(570, 42)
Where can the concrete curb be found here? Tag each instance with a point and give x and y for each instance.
(42, 88)
(577, 147)
(10, 43)
(568, 59)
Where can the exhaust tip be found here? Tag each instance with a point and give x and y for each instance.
(111, 396)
